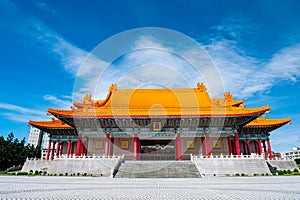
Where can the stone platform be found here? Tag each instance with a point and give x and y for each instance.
(33, 188)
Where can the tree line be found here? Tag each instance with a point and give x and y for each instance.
(14, 152)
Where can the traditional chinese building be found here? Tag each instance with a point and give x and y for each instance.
(159, 124)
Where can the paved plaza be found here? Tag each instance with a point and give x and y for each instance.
(13, 187)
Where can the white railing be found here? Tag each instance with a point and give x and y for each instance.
(221, 156)
(65, 156)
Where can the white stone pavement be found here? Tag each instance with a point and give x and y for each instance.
(13, 187)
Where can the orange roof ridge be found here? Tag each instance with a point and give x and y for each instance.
(167, 97)
(263, 121)
(54, 123)
(157, 111)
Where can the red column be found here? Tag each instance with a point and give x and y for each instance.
(178, 147)
(57, 148)
(265, 150)
(53, 149)
(270, 150)
(248, 147)
(229, 145)
(207, 144)
(135, 147)
(111, 146)
(244, 148)
(237, 144)
(86, 143)
(106, 145)
(72, 148)
(61, 149)
(48, 151)
(69, 149)
(259, 146)
(255, 146)
(79, 146)
(203, 145)
(139, 149)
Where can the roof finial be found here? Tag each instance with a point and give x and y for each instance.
(113, 87)
(87, 99)
(228, 97)
(201, 87)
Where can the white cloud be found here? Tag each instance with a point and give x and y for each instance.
(37, 32)
(148, 62)
(43, 6)
(285, 64)
(19, 109)
(21, 114)
(246, 76)
(57, 102)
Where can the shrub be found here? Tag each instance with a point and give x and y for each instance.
(66, 174)
(85, 174)
(36, 172)
(262, 174)
(267, 174)
(237, 174)
(254, 174)
(44, 172)
(296, 170)
(288, 174)
(78, 174)
(31, 171)
(54, 174)
(274, 174)
(21, 173)
(296, 173)
(242, 174)
(288, 171)
(280, 172)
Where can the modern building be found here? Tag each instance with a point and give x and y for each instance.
(35, 136)
(294, 154)
(159, 124)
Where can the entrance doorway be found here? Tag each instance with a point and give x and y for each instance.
(157, 149)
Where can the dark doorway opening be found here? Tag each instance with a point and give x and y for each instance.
(157, 150)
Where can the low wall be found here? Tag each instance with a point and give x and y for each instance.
(229, 166)
(283, 164)
(92, 166)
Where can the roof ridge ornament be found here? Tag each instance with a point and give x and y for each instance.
(201, 87)
(112, 88)
(228, 97)
(87, 99)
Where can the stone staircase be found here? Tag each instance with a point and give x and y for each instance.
(158, 169)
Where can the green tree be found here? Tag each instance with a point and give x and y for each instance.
(14, 152)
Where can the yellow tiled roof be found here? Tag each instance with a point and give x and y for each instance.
(158, 102)
(55, 123)
(263, 121)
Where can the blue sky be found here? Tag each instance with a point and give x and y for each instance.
(255, 46)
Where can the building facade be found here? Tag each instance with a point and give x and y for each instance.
(159, 124)
(35, 136)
